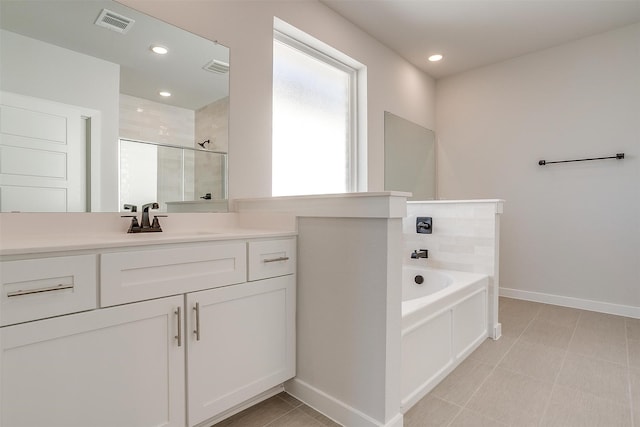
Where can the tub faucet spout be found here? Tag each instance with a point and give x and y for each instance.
(422, 253)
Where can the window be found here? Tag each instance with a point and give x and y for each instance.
(314, 121)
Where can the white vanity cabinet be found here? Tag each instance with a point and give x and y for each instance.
(120, 366)
(241, 338)
(179, 334)
(241, 342)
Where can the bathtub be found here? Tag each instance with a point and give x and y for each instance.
(444, 318)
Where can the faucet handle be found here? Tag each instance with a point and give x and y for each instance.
(133, 208)
(424, 225)
(135, 226)
(156, 223)
(152, 205)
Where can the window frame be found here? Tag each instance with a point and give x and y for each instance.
(353, 114)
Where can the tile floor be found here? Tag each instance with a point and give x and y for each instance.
(281, 410)
(553, 366)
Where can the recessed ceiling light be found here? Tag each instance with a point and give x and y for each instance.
(435, 58)
(160, 50)
(165, 93)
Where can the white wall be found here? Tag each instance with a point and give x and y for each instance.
(30, 66)
(348, 322)
(568, 230)
(349, 303)
(246, 27)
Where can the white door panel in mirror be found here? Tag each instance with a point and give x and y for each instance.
(42, 156)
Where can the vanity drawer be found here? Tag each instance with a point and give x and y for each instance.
(39, 288)
(145, 274)
(271, 258)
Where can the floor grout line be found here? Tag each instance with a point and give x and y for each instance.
(460, 409)
(555, 380)
(277, 418)
(634, 422)
(496, 366)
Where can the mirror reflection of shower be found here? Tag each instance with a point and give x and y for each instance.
(174, 176)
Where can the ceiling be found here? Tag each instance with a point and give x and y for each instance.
(474, 33)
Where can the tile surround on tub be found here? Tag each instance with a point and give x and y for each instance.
(464, 234)
(465, 237)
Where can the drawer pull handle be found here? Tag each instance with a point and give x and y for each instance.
(282, 258)
(20, 292)
(197, 330)
(179, 336)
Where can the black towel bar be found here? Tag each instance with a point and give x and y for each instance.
(618, 156)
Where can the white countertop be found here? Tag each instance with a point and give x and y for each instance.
(86, 241)
(30, 233)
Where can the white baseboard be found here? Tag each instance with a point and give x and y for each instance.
(335, 409)
(497, 332)
(584, 304)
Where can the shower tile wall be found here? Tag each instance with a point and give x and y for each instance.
(212, 124)
(144, 120)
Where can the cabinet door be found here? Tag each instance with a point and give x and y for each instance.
(242, 344)
(120, 366)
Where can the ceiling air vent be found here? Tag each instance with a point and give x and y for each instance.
(216, 66)
(114, 21)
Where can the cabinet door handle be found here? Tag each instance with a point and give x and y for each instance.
(282, 258)
(197, 330)
(178, 313)
(20, 292)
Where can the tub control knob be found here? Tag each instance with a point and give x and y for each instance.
(424, 224)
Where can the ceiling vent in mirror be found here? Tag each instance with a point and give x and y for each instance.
(216, 66)
(114, 21)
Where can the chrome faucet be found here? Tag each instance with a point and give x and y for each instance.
(422, 253)
(145, 225)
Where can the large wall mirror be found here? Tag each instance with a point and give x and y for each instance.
(86, 119)
(409, 158)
